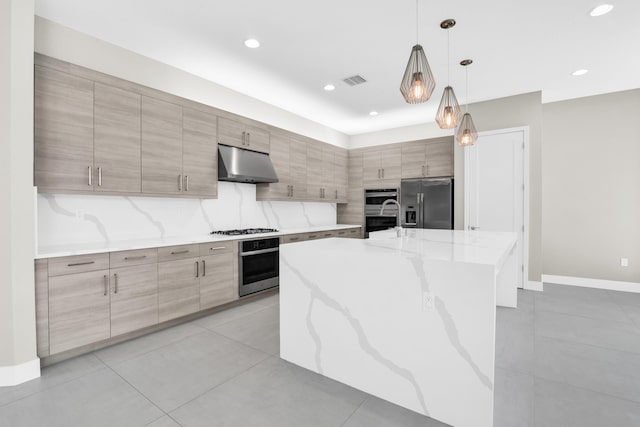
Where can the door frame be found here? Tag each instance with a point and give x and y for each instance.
(525, 180)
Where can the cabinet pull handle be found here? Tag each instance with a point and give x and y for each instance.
(75, 264)
(186, 251)
(115, 277)
(427, 169)
(99, 177)
(292, 191)
(90, 176)
(336, 194)
(382, 172)
(217, 248)
(248, 139)
(244, 137)
(204, 269)
(106, 284)
(186, 184)
(378, 173)
(422, 170)
(197, 269)
(179, 182)
(133, 258)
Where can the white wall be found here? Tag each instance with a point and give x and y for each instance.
(591, 187)
(77, 219)
(17, 300)
(63, 43)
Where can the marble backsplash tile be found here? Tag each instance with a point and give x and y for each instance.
(71, 219)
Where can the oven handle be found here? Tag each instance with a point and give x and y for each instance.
(258, 252)
(382, 194)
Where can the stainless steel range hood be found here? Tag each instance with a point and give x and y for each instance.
(238, 165)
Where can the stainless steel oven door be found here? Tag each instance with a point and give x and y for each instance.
(258, 270)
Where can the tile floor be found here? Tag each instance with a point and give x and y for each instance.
(566, 357)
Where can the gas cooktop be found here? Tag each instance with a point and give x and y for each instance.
(244, 231)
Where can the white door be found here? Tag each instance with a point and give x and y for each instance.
(495, 187)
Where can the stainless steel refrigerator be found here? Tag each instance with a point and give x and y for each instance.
(427, 203)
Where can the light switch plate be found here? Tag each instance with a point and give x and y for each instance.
(624, 262)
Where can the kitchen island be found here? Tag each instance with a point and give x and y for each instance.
(409, 319)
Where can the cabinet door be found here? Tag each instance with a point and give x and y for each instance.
(439, 158)
(391, 161)
(218, 284)
(328, 179)
(257, 139)
(200, 153)
(231, 132)
(78, 310)
(298, 168)
(161, 147)
(413, 161)
(134, 298)
(371, 167)
(314, 171)
(117, 139)
(63, 131)
(178, 288)
(341, 173)
(281, 163)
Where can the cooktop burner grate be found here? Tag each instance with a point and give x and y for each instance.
(244, 231)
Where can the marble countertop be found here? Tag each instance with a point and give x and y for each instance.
(125, 245)
(476, 247)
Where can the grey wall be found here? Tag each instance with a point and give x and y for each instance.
(591, 187)
(17, 300)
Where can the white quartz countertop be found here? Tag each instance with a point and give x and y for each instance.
(125, 245)
(475, 247)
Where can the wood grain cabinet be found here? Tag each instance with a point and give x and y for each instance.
(314, 171)
(218, 273)
(63, 131)
(424, 159)
(78, 310)
(382, 167)
(243, 135)
(178, 288)
(134, 298)
(289, 158)
(326, 172)
(199, 153)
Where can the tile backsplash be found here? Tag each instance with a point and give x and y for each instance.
(71, 219)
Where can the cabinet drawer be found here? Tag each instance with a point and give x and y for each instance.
(313, 236)
(342, 233)
(293, 238)
(217, 247)
(136, 257)
(178, 252)
(327, 234)
(78, 264)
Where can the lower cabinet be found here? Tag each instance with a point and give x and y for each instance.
(178, 288)
(217, 284)
(78, 310)
(134, 298)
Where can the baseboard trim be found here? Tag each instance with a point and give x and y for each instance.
(18, 374)
(610, 285)
(531, 285)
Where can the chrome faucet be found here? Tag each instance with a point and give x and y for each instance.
(384, 205)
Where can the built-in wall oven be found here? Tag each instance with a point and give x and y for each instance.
(259, 265)
(373, 200)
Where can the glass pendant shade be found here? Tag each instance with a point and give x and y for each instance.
(418, 82)
(449, 111)
(466, 133)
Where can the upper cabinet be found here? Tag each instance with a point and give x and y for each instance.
(426, 159)
(242, 135)
(199, 153)
(382, 167)
(63, 131)
(281, 159)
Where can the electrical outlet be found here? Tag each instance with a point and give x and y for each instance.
(427, 301)
(624, 262)
(80, 214)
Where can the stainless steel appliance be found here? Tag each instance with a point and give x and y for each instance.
(259, 265)
(373, 200)
(427, 203)
(239, 165)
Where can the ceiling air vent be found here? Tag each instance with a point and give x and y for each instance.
(354, 80)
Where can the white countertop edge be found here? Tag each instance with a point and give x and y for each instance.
(127, 245)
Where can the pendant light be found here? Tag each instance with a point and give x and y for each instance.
(418, 82)
(449, 111)
(466, 133)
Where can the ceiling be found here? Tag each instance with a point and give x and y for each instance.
(517, 47)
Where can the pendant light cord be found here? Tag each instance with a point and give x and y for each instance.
(467, 95)
(417, 35)
(448, 60)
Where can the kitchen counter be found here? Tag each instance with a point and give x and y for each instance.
(125, 245)
(410, 319)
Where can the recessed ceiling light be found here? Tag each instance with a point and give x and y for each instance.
(252, 43)
(373, 113)
(580, 72)
(329, 87)
(600, 10)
